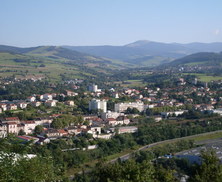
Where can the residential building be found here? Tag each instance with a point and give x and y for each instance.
(36, 104)
(29, 126)
(127, 129)
(31, 99)
(12, 127)
(95, 104)
(94, 88)
(47, 97)
(218, 111)
(12, 107)
(3, 106)
(51, 103)
(70, 103)
(110, 114)
(22, 105)
(3, 130)
(70, 93)
(121, 107)
(176, 113)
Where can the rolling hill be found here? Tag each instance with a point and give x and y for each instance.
(57, 52)
(53, 62)
(202, 58)
(148, 53)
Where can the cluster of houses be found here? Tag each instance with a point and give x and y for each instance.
(47, 99)
(14, 125)
(116, 120)
(183, 94)
(147, 98)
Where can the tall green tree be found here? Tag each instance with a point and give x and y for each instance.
(209, 170)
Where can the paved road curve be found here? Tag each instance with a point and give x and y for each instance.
(127, 156)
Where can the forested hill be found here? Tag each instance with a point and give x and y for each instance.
(205, 58)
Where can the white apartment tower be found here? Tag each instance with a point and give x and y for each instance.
(94, 88)
(96, 104)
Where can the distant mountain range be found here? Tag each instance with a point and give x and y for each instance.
(136, 54)
(148, 53)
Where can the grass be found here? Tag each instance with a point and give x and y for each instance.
(195, 63)
(31, 67)
(204, 77)
(132, 83)
(210, 78)
(208, 136)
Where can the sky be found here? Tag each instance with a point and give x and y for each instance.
(26, 23)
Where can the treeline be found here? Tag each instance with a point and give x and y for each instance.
(159, 170)
(149, 134)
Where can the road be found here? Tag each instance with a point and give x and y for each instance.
(127, 156)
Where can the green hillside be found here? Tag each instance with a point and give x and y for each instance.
(54, 63)
(204, 58)
(23, 66)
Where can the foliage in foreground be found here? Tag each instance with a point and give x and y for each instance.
(15, 168)
(145, 171)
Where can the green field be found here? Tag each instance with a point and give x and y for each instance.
(26, 66)
(204, 77)
(132, 83)
(194, 63)
(208, 136)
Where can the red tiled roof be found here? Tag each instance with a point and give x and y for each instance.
(111, 119)
(62, 131)
(11, 118)
(12, 123)
(29, 122)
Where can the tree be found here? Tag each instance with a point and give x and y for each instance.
(25, 169)
(128, 171)
(38, 129)
(21, 132)
(209, 170)
(166, 175)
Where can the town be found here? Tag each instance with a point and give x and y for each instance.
(110, 91)
(107, 113)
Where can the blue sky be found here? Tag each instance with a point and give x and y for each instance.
(108, 22)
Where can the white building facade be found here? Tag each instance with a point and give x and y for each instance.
(96, 104)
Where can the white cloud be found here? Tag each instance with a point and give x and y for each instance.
(216, 32)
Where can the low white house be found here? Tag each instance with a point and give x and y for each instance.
(3, 130)
(47, 97)
(51, 103)
(31, 99)
(176, 113)
(22, 105)
(29, 126)
(218, 111)
(127, 129)
(36, 104)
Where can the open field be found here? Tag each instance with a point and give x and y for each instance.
(204, 77)
(23, 66)
(131, 83)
